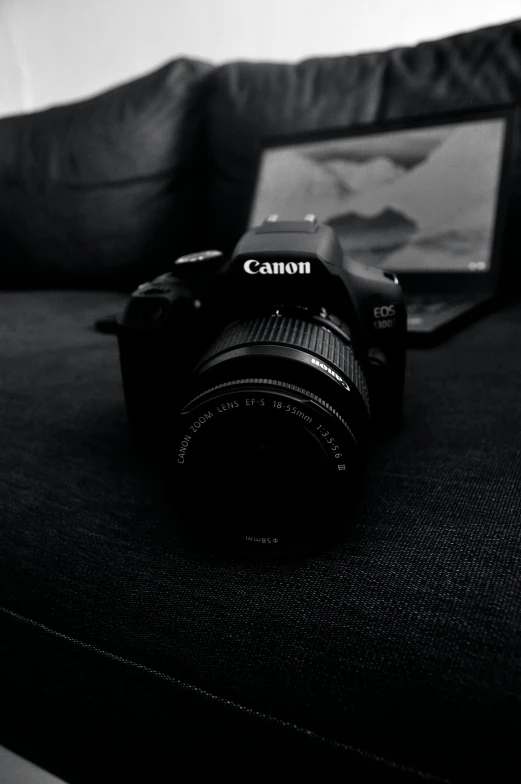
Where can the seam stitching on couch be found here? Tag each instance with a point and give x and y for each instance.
(222, 700)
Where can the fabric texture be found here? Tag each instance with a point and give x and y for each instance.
(383, 647)
(249, 101)
(105, 192)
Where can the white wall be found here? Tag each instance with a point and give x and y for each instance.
(54, 51)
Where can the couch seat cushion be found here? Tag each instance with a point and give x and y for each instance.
(409, 627)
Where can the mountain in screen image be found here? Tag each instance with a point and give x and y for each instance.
(360, 175)
(388, 229)
(294, 184)
(457, 178)
(452, 245)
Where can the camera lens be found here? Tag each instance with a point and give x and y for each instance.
(267, 456)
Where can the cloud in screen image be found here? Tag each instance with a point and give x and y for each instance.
(405, 200)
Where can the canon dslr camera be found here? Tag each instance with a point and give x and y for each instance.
(257, 380)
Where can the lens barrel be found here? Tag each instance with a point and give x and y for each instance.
(267, 458)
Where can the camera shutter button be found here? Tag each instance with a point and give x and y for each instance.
(197, 263)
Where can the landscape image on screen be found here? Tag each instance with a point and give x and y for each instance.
(411, 200)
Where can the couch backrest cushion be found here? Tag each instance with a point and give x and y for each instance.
(250, 100)
(101, 192)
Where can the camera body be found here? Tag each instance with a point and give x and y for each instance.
(170, 322)
(257, 379)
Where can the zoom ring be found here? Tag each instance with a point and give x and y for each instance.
(297, 333)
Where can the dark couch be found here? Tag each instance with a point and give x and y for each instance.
(128, 656)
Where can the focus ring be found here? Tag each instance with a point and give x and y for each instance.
(284, 385)
(294, 332)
